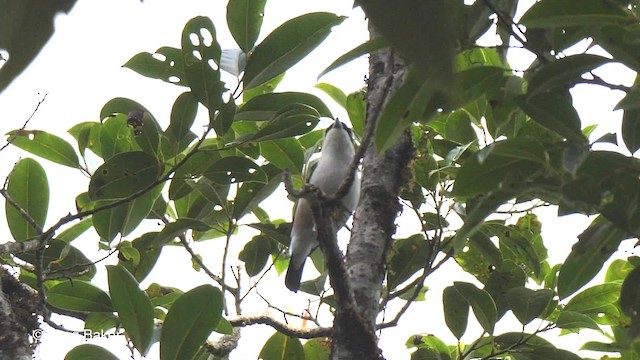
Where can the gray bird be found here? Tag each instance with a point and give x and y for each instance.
(333, 166)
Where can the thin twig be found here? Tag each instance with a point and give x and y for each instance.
(24, 126)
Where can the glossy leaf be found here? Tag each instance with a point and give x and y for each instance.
(29, 188)
(79, 296)
(201, 56)
(89, 352)
(133, 306)
(595, 245)
(265, 107)
(287, 45)
(317, 349)
(456, 311)
(255, 254)
(124, 174)
(564, 71)
(45, 145)
(365, 48)
(282, 347)
(336, 94)
(235, 169)
(407, 105)
(75, 230)
(484, 308)
(528, 304)
(166, 65)
(563, 13)
(554, 110)
(190, 320)
(287, 154)
(244, 18)
(294, 119)
(573, 320)
(183, 114)
(408, 257)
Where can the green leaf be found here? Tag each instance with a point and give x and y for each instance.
(287, 154)
(190, 320)
(75, 230)
(317, 349)
(357, 110)
(79, 296)
(45, 145)
(29, 188)
(484, 308)
(564, 71)
(114, 136)
(224, 118)
(244, 18)
(166, 65)
(183, 114)
(89, 352)
(456, 311)
(367, 47)
(198, 52)
(573, 320)
(292, 120)
(266, 88)
(235, 169)
(595, 245)
(336, 94)
(82, 133)
(631, 129)
(407, 105)
(630, 294)
(124, 174)
(133, 306)
(287, 45)
(554, 110)
(619, 41)
(407, 257)
(149, 249)
(601, 347)
(282, 347)
(435, 348)
(250, 195)
(62, 259)
(528, 304)
(618, 270)
(564, 13)
(265, 107)
(594, 298)
(255, 254)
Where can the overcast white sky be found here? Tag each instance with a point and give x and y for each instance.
(80, 70)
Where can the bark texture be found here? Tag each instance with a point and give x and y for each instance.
(374, 221)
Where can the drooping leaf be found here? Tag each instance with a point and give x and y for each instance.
(292, 120)
(573, 320)
(554, 110)
(408, 257)
(255, 254)
(28, 187)
(124, 174)
(287, 45)
(45, 145)
(244, 18)
(282, 347)
(79, 296)
(564, 71)
(456, 311)
(484, 308)
(528, 304)
(336, 94)
(287, 154)
(630, 300)
(133, 306)
(89, 352)
(587, 256)
(183, 114)
(631, 129)
(190, 320)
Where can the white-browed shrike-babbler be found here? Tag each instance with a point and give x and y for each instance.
(333, 167)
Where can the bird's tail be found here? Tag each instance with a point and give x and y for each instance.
(294, 276)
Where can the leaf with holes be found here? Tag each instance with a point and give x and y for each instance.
(124, 174)
(190, 320)
(287, 45)
(235, 169)
(28, 187)
(201, 53)
(166, 65)
(244, 18)
(45, 145)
